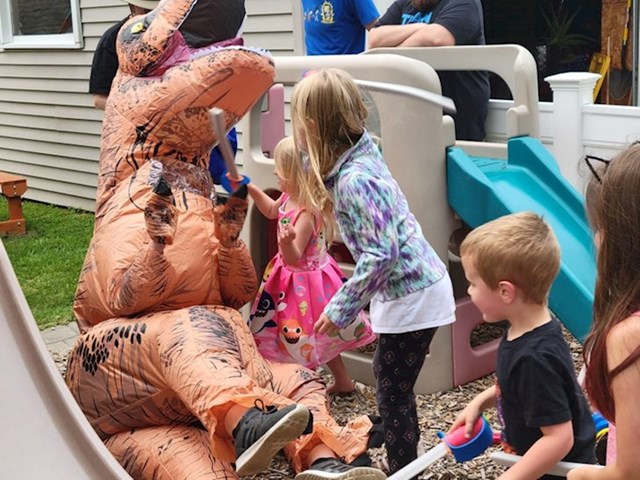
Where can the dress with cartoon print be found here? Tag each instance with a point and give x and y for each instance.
(290, 300)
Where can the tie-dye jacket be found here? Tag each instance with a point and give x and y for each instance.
(392, 256)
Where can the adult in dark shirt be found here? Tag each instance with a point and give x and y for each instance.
(105, 58)
(443, 23)
(197, 31)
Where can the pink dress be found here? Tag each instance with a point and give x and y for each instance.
(291, 299)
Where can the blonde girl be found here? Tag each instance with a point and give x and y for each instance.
(396, 268)
(299, 281)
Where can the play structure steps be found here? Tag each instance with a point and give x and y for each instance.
(470, 363)
(13, 187)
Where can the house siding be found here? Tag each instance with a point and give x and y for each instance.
(49, 129)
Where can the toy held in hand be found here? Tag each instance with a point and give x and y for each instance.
(465, 448)
(231, 181)
(462, 447)
(232, 184)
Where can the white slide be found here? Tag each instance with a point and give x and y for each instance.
(44, 434)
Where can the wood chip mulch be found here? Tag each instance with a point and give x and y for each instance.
(436, 411)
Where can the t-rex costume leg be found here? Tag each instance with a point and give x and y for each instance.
(190, 366)
(164, 356)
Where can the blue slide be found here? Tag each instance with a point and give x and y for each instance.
(481, 189)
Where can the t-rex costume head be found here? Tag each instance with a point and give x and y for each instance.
(164, 355)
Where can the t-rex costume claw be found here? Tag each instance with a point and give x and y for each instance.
(163, 353)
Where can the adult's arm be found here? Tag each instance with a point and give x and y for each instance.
(391, 35)
(430, 35)
(389, 31)
(100, 101)
(104, 67)
(367, 13)
(459, 23)
(463, 20)
(372, 24)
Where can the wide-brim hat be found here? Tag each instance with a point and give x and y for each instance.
(146, 4)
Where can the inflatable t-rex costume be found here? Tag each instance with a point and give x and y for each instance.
(163, 354)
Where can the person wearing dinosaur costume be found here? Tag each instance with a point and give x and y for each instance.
(166, 369)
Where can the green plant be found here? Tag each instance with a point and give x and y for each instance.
(559, 23)
(47, 260)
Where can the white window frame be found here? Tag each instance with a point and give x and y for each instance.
(8, 40)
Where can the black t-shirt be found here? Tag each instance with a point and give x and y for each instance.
(537, 387)
(469, 90)
(105, 61)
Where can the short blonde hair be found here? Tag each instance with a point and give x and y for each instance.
(287, 160)
(520, 248)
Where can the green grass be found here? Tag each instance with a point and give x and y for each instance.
(47, 260)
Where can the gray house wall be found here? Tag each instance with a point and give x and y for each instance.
(49, 129)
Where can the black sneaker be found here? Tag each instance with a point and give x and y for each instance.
(263, 431)
(334, 469)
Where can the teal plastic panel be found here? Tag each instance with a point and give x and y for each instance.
(482, 189)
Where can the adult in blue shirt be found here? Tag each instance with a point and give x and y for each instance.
(336, 27)
(443, 23)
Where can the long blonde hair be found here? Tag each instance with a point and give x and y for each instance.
(328, 111)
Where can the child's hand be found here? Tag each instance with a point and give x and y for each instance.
(286, 234)
(325, 326)
(468, 418)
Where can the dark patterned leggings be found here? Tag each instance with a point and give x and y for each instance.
(396, 365)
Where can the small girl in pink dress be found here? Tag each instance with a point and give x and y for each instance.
(299, 281)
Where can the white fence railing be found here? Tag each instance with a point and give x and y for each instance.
(572, 125)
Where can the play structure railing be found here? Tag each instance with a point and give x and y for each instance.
(513, 63)
(418, 137)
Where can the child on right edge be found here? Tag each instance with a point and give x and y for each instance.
(510, 264)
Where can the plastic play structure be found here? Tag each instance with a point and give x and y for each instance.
(446, 181)
(47, 436)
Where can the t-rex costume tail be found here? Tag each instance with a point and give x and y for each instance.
(164, 354)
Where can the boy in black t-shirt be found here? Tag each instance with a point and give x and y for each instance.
(510, 264)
